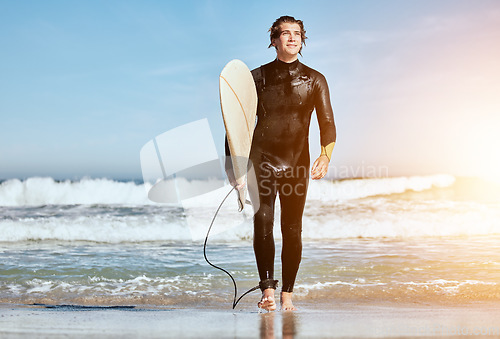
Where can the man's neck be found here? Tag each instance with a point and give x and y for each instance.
(287, 58)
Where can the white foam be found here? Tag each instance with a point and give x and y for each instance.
(379, 217)
(100, 229)
(46, 191)
(94, 286)
(334, 210)
(373, 218)
(360, 188)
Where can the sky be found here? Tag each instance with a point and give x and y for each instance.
(84, 85)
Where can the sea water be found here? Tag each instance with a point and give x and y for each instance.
(427, 239)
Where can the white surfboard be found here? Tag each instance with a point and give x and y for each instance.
(238, 99)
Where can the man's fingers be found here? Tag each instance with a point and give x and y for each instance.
(239, 186)
(318, 176)
(319, 172)
(318, 168)
(315, 166)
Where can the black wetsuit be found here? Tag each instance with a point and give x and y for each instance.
(287, 95)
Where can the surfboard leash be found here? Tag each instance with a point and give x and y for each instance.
(235, 301)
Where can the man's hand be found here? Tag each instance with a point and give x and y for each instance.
(232, 180)
(233, 183)
(239, 186)
(320, 167)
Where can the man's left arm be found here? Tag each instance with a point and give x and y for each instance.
(328, 132)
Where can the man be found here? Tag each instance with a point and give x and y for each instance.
(288, 92)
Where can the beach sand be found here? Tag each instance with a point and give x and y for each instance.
(339, 321)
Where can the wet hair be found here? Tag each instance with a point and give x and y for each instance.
(275, 30)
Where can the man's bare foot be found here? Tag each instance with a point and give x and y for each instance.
(267, 301)
(286, 302)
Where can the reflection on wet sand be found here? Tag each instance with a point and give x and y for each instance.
(289, 325)
(267, 325)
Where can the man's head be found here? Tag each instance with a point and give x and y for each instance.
(289, 26)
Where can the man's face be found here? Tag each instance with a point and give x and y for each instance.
(289, 42)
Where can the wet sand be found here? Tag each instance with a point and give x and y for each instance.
(340, 321)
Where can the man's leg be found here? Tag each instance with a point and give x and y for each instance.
(292, 200)
(263, 241)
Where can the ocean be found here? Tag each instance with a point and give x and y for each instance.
(98, 242)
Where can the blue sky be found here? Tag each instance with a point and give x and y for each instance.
(85, 84)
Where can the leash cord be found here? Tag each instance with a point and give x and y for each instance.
(235, 301)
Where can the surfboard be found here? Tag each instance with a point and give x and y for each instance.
(238, 100)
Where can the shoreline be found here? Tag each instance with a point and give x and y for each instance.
(320, 321)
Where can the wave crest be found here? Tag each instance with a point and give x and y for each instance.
(38, 191)
(46, 191)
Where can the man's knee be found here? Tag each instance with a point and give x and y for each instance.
(263, 222)
(291, 231)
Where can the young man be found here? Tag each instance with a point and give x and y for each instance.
(288, 92)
